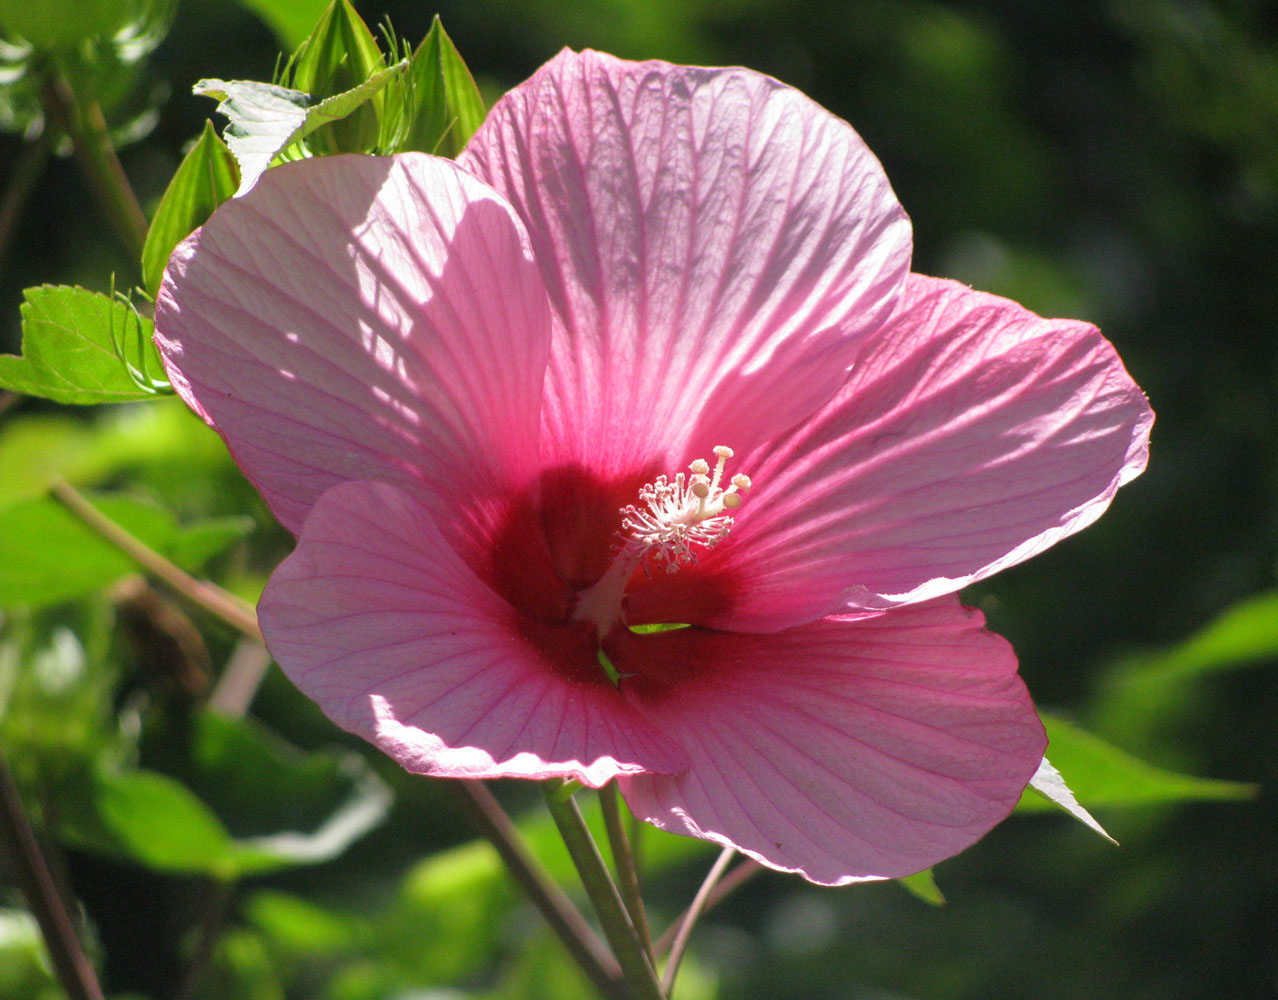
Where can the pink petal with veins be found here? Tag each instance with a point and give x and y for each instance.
(971, 435)
(841, 750)
(363, 318)
(713, 244)
(378, 620)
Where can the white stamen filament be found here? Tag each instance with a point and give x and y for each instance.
(674, 517)
(677, 515)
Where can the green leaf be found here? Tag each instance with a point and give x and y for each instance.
(340, 55)
(448, 105)
(206, 177)
(149, 818)
(36, 449)
(166, 824)
(291, 20)
(1152, 692)
(82, 347)
(286, 808)
(922, 885)
(1102, 775)
(49, 555)
(50, 24)
(266, 119)
(300, 927)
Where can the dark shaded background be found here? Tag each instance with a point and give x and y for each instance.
(1116, 162)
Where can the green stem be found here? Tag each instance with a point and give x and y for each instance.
(623, 860)
(725, 885)
(70, 964)
(690, 917)
(564, 919)
(90, 139)
(618, 928)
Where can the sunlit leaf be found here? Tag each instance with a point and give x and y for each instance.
(1103, 776)
(24, 966)
(82, 347)
(206, 177)
(1245, 633)
(266, 119)
(448, 105)
(36, 449)
(1049, 783)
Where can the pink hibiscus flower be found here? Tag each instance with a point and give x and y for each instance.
(650, 353)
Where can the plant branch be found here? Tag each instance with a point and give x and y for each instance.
(70, 964)
(87, 127)
(721, 889)
(623, 860)
(582, 942)
(209, 596)
(617, 925)
(21, 183)
(689, 919)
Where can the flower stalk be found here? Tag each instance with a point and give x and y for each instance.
(212, 598)
(70, 964)
(684, 933)
(564, 919)
(623, 860)
(87, 128)
(618, 927)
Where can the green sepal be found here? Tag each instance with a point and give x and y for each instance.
(340, 55)
(83, 347)
(206, 177)
(922, 885)
(290, 20)
(448, 107)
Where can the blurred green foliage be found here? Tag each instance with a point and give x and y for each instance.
(1115, 160)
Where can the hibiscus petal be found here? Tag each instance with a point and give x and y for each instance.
(363, 318)
(709, 238)
(376, 618)
(843, 750)
(971, 435)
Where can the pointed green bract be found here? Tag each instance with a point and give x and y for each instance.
(448, 105)
(82, 347)
(206, 178)
(340, 55)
